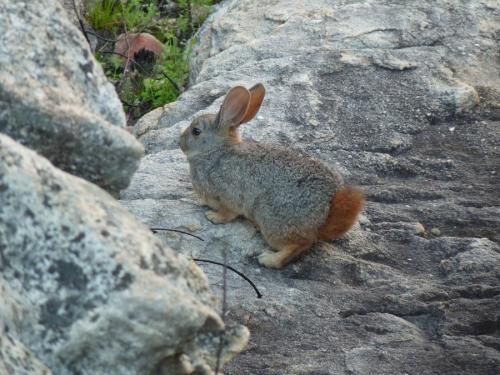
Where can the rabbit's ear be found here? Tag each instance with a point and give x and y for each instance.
(257, 94)
(234, 107)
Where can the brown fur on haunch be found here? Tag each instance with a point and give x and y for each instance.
(345, 207)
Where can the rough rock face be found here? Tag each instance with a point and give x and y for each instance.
(88, 289)
(71, 6)
(402, 97)
(15, 358)
(54, 97)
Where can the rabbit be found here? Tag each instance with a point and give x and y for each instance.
(293, 199)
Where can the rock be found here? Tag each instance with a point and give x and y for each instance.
(73, 7)
(80, 15)
(131, 45)
(150, 119)
(55, 99)
(95, 291)
(15, 358)
(372, 88)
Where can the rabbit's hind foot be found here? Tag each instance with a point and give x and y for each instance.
(221, 216)
(285, 254)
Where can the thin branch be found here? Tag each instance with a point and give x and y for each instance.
(114, 53)
(136, 106)
(172, 82)
(126, 67)
(154, 230)
(100, 37)
(80, 22)
(242, 275)
(141, 68)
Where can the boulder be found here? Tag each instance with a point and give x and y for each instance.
(89, 290)
(15, 358)
(55, 99)
(402, 98)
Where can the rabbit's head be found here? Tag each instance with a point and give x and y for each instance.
(208, 132)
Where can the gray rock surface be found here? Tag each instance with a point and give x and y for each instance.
(402, 97)
(15, 357)
(88, 289)
(72, 8)
(54, 97)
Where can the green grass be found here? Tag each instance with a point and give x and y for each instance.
(173, 65)
(112, 15)
(101, 14)
(145, 88)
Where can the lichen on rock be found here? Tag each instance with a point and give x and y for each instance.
(100, 294)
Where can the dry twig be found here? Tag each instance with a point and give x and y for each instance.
(126, 66)
(80, 22)
(154, 230)
(241, 274)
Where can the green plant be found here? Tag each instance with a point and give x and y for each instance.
(157, 92)
(148, 84)
(112, 15)
(171, 74)
(102, 14)
(136, 18)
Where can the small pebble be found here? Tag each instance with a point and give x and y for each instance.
(419, 229)
(363, 220)
(193, 227)
(270, 311)
(435, 232)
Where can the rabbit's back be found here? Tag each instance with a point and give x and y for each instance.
(280, 190)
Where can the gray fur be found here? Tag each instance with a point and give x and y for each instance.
(284, 192)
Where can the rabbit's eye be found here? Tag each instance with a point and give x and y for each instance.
(196, 131)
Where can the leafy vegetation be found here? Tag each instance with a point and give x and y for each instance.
(147, 82)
